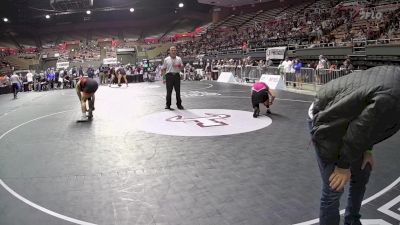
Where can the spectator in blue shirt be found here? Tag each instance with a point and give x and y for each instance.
(297, 71)
(50, 78)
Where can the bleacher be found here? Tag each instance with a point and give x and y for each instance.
(204, 29)
(6, 66)
(238, 20)
(361, 28)
(7, 44)
(220, 23)
(21, 63)
(158, 50)
(262, 17)
(393, 28)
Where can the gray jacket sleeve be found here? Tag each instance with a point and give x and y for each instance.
(361, 132)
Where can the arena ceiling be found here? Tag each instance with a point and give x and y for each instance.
(27, 18)
(33, 12)
(232, 3)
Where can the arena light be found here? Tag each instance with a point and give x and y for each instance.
(88, 12)
(131, 10)
(5, 20)
(47, 16)
(181, 5)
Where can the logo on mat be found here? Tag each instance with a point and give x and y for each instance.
(209, 120)
(198, 94)
(202, 122)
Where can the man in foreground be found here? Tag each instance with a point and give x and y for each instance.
(348, 117)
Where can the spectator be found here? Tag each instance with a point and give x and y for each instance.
(29, 78)
(16, 84)
(297, 68)
(269, 62)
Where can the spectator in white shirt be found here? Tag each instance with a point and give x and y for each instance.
(15, 84)
(29, 79)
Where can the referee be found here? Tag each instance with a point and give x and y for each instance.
(171, 68)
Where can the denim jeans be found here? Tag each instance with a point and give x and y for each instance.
(330, 199)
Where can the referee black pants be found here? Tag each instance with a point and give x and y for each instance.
(173, 81)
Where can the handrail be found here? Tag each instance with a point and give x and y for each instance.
(305, 78)
(382, 41)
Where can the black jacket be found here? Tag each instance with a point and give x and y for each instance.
(355, 112)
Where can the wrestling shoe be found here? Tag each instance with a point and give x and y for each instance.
(256, 112)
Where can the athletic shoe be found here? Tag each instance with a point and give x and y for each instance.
(256, 112)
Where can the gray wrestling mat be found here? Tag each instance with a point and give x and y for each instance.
(136, 163)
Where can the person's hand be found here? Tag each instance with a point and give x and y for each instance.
(339, 178)
(272, 100)
(368, 158)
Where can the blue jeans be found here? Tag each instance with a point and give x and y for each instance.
(330, 199)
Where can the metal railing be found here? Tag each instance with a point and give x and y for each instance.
(323, 76)
(354, 42)
(251, 72)
(248, 72)
(383, 41)
(305, 78)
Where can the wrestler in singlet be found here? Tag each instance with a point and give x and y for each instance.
(260, 93)
(85, 89)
